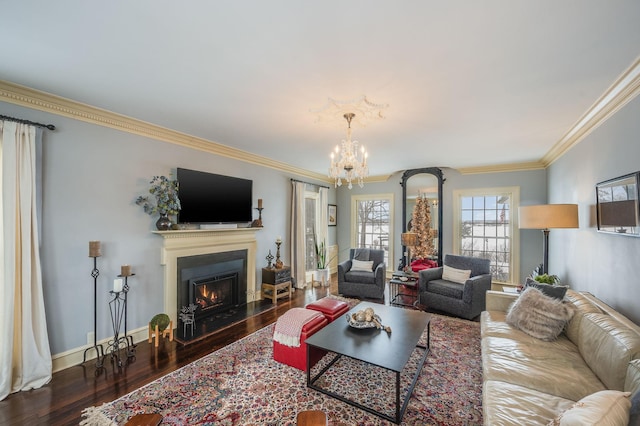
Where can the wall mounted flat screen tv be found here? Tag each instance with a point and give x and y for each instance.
(617, 205)
(211, 198)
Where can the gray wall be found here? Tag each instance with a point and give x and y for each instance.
(92, 176)
(533, 190)
(606, 265)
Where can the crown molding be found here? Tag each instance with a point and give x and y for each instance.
(622, 91)
(502, 168)
(53, 104)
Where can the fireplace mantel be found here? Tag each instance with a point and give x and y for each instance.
(193, 242)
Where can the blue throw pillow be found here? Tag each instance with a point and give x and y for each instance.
(555, 291)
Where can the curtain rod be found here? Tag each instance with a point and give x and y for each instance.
(309, 183)
(33, 123)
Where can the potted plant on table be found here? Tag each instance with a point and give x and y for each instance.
(167, 203)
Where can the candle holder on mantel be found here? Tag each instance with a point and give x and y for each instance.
(95, 252)
(258, 222)
(278, 263)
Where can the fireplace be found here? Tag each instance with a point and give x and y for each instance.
(185, 256)
(212, 282)
(214, 293)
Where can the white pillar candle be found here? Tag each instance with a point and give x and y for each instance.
(117, 285)
(279, 240)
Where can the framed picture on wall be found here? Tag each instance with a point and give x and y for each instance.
(332, 216)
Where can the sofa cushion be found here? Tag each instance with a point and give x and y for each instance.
(632, 382)
(583, 306)
(506, 404)
(361, 265)
(604, 408)
(555, 291)
(446, 288)
(608, 347)
(455, 275)
(556, 367)
(539, 315)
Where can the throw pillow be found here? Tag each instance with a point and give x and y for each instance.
(359, 265)
(604, 408)
(456, 275)
(634, 417)
(555, 291)
(540, 316)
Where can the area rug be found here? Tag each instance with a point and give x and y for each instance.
(241, 384)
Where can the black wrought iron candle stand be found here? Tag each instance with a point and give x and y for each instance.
(118, 311)
(97, 346)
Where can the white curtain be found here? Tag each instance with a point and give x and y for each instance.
(25, 357)
(323, 221)
(298, 270)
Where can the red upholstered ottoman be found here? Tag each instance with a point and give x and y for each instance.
(297, 356)
(330, 308)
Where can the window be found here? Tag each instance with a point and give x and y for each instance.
(371, 223)
(311, 223)
(485, 226)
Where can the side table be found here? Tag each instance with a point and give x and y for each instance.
(276, 283)
(403, 289)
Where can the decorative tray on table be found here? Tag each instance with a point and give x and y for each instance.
(362, 324)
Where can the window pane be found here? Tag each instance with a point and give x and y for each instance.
(372, 225)
(485, 231)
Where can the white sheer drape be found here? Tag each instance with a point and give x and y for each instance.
(298, 270)
(25, 357)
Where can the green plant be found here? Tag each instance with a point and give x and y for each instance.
(547, 279)
(321, 255)
(165, 192)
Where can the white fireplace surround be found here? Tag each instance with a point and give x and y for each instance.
(185, 243)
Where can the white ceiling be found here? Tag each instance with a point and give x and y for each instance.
(468, 83)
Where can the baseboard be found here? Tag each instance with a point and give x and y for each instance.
(74, 356)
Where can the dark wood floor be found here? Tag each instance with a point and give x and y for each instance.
(71, 390)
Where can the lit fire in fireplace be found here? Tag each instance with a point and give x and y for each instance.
(207, 298)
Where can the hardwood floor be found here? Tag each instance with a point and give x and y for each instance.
(71, 390)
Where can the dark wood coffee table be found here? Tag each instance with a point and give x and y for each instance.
(389, 351)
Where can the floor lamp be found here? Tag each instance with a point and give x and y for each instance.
(409, 239)
(546, 217)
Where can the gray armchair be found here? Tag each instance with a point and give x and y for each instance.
(368, 284)
(464, 300)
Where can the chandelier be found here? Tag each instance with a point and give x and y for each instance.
(349, 163)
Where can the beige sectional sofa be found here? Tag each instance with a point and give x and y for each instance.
(531, 381)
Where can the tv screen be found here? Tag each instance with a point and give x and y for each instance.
(210, 198)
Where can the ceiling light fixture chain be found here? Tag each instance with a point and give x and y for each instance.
(350, 160)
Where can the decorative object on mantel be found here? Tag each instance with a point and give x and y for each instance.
(269, 259)
(278, 263)
(95, 251)
(258, 222)
(167, 202)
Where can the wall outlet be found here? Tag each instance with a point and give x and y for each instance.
(90, 337)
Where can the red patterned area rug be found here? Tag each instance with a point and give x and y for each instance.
(241, 384)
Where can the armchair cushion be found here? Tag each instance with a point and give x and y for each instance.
(456, 275)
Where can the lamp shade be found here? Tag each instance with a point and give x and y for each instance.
(409, 239)
(548, 216)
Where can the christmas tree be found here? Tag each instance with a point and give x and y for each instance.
(421, 220)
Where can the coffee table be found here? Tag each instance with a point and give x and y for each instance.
(389, 351)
